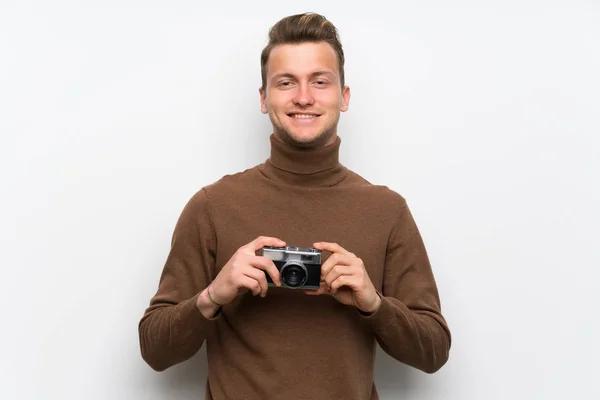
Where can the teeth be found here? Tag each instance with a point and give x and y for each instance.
(303, 116)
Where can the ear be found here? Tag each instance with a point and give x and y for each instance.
(345, 99)
(263, 101)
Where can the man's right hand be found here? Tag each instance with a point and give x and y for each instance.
(243, 272)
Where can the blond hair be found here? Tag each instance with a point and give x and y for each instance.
(301, 28)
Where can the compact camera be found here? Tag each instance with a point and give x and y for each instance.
(299, 268)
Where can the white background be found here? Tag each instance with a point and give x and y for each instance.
(484, 115)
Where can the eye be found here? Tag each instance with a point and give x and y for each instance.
(285, 84)
(321, 83)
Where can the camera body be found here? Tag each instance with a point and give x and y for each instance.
(299, 268)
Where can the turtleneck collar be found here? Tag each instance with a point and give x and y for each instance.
(298, 166)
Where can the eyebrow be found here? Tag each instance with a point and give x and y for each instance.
(288, 75)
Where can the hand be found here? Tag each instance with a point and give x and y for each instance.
(245, 271)
(344, 277)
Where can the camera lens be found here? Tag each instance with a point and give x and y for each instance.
(293, 275)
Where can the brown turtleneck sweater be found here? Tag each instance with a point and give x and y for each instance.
(290, 345)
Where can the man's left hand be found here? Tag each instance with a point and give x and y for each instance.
(344, 277)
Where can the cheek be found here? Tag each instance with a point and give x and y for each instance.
(329, 100)
(277, 101)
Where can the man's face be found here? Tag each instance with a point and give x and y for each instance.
(303, 95)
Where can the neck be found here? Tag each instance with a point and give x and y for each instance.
(325, 139)
(299, 166)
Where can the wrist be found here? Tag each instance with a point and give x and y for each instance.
(211, 297)
(373, 309)
(208, 307)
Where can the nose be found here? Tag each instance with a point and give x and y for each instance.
(304, 96)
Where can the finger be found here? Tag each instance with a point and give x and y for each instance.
(321, 290)
(266, 264)
(338, 271)
(250, 283)
(259, 276)
(332, 247)
(335, 259)
(263, 241)
(343, 280)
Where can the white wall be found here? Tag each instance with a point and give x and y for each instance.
(484, 115)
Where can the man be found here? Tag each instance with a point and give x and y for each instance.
(273, 342)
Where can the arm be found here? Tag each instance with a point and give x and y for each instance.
(409, 325)
(173, 328)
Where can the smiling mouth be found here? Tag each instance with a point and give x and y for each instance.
(303, 116)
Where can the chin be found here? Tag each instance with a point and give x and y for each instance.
(305, 137)
(302, 139)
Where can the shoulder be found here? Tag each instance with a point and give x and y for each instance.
(382, 195)
(225, 190)
(227, 186)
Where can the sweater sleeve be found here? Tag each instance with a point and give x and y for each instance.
(172, 328)
(409, 325)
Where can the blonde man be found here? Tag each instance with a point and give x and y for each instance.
(264, 339)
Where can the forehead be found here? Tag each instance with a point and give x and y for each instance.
(302, 59)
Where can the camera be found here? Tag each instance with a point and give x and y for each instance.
(299, 268)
